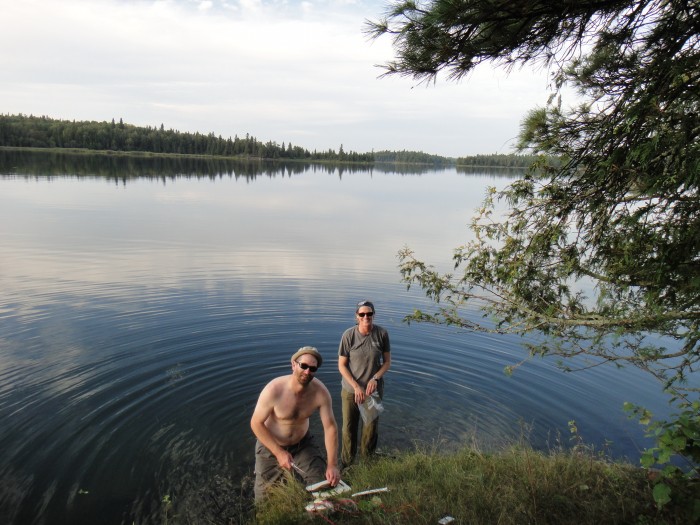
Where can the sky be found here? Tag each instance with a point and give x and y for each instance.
(287, 71)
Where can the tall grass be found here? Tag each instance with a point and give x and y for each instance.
(515, 486)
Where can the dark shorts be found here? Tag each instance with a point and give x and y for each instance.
(307, 456)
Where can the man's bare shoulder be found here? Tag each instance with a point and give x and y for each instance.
(280, 387)
(276, 386)
(319, 387)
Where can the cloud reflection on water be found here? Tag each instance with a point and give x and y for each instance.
(141, 319)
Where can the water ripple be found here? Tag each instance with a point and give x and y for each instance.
(133, 348)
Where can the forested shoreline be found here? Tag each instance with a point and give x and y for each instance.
(27, 131)
(497, 161)
(45, 132)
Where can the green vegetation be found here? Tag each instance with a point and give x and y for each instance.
(412, 157)
(599, 253)
(498, 161)
(45, 132)
(515, 486)
(29, 132)
(21, 131)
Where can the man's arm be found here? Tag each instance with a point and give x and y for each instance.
(263, 410)
(330, 435)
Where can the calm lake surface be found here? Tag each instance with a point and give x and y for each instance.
(145, 303)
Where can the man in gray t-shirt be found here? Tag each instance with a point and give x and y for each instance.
(364, 356)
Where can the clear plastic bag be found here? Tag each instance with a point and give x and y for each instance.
(371, 408)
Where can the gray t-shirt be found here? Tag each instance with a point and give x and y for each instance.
(365, 353)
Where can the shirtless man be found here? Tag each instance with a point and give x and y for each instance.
(281, 424)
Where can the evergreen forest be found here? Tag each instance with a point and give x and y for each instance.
(27, 131)
(44, 132)
(497, 160)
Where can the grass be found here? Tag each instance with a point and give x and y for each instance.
(514, 486)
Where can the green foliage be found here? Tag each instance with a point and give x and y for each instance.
(44, 132)
(679, 438)
(499, 160)
(412, 157)
(599, 252)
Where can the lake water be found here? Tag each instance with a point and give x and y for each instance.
(146, 302)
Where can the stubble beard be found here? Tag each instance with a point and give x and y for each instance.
(304, 380)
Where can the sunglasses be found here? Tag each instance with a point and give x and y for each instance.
(304, 366)
(368, 314)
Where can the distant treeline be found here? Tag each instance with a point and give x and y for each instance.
(412, 157)
(22, 131)
(498, 161)
(44, 132)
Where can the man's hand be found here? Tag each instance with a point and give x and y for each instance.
(333, 476)
(285, 459)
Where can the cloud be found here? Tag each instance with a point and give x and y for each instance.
(300, 72)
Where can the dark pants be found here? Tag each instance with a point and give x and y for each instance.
(307, 457)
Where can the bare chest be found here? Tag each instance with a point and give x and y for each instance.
(294, 408)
